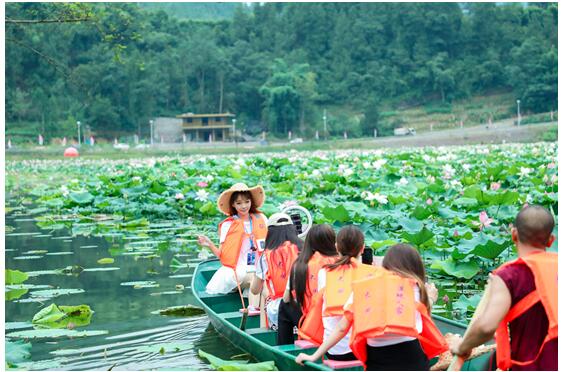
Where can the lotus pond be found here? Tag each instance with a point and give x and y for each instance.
(119, 237)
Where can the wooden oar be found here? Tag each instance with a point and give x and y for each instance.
(458, 362)
(244, 309)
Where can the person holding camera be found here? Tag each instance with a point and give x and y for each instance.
(272, 268)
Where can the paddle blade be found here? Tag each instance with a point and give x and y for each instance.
(244, 321)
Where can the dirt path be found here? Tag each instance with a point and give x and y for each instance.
(501, 132)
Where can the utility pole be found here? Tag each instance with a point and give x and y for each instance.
(518, 113)
(151, 132)
(79, 140)
(325, 123)
(234, 130)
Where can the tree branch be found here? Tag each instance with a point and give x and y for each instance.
(59, 67)
(38, 21)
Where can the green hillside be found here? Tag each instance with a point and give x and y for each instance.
(196, 11)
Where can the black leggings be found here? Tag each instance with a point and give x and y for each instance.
(288, 318)
(341, 357)
(405, 356)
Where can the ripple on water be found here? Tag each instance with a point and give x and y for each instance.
(140, 350)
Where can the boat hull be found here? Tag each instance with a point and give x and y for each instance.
(223, 312)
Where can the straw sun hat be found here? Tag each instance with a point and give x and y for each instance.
(258, 196)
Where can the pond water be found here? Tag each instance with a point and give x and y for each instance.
(134, 334)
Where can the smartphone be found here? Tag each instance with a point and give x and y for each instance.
(367, 256)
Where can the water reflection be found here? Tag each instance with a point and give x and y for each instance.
(135, 335)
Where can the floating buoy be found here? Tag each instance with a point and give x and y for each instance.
(71, 152)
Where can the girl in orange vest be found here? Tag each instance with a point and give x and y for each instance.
(242, 236)
(319, 250)
(350, 245)
(273, 267)
(391, 350)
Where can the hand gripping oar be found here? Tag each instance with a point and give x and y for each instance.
(458, 361)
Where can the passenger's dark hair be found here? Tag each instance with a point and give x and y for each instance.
(320, 238)
(245, 194)
(349, 243)
(277, 235)
(406, 261)
(534, 225)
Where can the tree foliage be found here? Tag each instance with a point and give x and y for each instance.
(275, 65)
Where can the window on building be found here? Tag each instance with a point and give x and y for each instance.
(218, 119)
(204, 122)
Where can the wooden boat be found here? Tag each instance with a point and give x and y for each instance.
(223, 312)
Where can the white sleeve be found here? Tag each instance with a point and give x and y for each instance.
(224, 231)
(321, 279)
(418, 320)
(349, 302)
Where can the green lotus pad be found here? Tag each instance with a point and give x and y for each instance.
(236, 365)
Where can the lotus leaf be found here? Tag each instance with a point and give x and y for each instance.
(236, 365)
(54, 333)
(14, 276)
(457, 269)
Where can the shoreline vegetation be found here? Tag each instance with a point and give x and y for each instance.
(499, 132)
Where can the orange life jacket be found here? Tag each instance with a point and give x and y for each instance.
(544, 267)
(231, 247)
(280, 261)
(383, 304)
(335, 295)
(310, 325)
(314, 265)
(338, 285)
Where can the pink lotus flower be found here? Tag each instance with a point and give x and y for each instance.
(456, 233)
(179, 196)
(429, 201)
(484, 220)
(202, 184)
(495, 186)
(445, 298)
(550, 165)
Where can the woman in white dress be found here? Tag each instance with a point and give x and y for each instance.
(242, 236)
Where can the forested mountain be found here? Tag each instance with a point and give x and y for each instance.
(197, 11)
(275, 65)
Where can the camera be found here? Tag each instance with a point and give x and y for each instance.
(296, 219)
